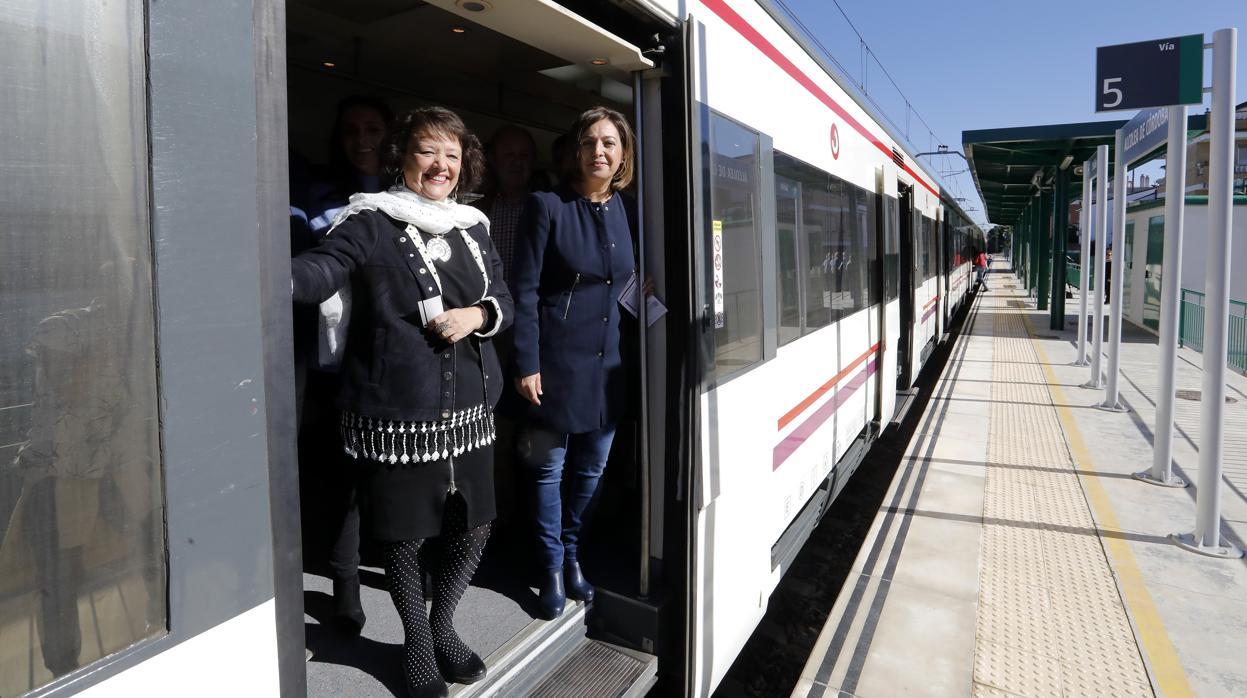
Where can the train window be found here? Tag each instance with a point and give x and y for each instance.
(920, 259)
(82, 538)
(734, 277)
(868, 214)
(891, 248)
(787, 217)
(819, 224)
(813, 243)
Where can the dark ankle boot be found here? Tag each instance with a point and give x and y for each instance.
(470, 670)
(348, 613)
(574, 581)
(551, 597)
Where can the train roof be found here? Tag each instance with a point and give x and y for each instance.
(781, 18)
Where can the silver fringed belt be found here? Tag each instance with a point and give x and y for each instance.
(397, 441)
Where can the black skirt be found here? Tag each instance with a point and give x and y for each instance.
(406, 502)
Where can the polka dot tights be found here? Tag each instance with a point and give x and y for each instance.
(428, 636)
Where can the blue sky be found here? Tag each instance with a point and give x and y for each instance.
(973, 64)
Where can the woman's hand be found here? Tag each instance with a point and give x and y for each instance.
(457, 323)
(530, 388)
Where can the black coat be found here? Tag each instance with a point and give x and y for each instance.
(392, 368)
(572, 260)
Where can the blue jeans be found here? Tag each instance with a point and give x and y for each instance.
(559, 518)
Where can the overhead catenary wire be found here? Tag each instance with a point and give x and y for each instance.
(861, 83)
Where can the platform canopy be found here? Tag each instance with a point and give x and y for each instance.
(1006, 162)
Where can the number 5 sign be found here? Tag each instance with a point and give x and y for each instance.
(1157, 73)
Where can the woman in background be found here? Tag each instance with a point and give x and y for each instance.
(329, 484)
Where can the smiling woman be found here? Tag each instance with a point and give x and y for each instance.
(420, 376)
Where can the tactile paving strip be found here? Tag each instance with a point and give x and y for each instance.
(1050, 621)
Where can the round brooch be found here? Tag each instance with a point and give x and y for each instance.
(439, 249)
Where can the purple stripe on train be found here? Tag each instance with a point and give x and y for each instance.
(807, 428)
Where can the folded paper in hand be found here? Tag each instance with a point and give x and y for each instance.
(629, 299)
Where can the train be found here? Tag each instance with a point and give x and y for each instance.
(809, 264)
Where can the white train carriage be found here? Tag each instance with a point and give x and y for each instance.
(809, 264)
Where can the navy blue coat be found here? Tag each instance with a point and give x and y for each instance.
(572, 259)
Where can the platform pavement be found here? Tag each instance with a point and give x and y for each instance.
(1014, 554)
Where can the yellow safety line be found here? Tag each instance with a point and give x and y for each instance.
(1166, 667)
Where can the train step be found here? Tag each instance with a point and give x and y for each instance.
(597, 668)
(556, 658)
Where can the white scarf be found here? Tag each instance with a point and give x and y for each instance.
(434, 217)
(401, 203)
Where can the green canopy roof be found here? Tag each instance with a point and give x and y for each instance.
(1004, 161)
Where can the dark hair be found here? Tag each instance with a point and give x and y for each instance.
(436, 121)
(571, 164)
(510, 130)
(341, 173)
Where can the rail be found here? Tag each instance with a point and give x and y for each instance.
(1072, 271)
(1191, 328)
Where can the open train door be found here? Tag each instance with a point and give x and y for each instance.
(905, 349)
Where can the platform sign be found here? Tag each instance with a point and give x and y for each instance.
(1156, 73)
(1146, 132)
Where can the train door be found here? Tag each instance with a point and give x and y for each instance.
(945, 274)
(877, 279)
(905, 347)
(535, 65)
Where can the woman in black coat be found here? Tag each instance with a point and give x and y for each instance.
(420, 377)
(573, 258)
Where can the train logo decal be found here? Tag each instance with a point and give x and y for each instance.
(835, 142)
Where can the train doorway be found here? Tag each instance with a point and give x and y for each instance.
(528, 67)
(905, 347)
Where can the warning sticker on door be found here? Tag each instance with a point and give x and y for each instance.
(717, 263)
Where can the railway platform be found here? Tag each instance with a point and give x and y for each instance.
(1014, 554)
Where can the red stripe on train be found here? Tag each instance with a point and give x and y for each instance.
(822, 389)
(793, 441)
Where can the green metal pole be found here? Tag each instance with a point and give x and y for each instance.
(1060, 236)
(1033, 273)
(1030, 244)
(1045, 246)
(1018, 254)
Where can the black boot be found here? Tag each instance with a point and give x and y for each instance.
(551, 597)
(348, 613)
(577, 587)
(470, 670)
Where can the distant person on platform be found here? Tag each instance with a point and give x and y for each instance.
(980, 269)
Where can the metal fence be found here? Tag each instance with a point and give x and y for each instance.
(1191, 326)
(1073, 270)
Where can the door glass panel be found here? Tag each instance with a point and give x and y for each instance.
(735, 287)
(82, 549)
(787, 208)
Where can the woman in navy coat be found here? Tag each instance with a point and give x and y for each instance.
(573, 258)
